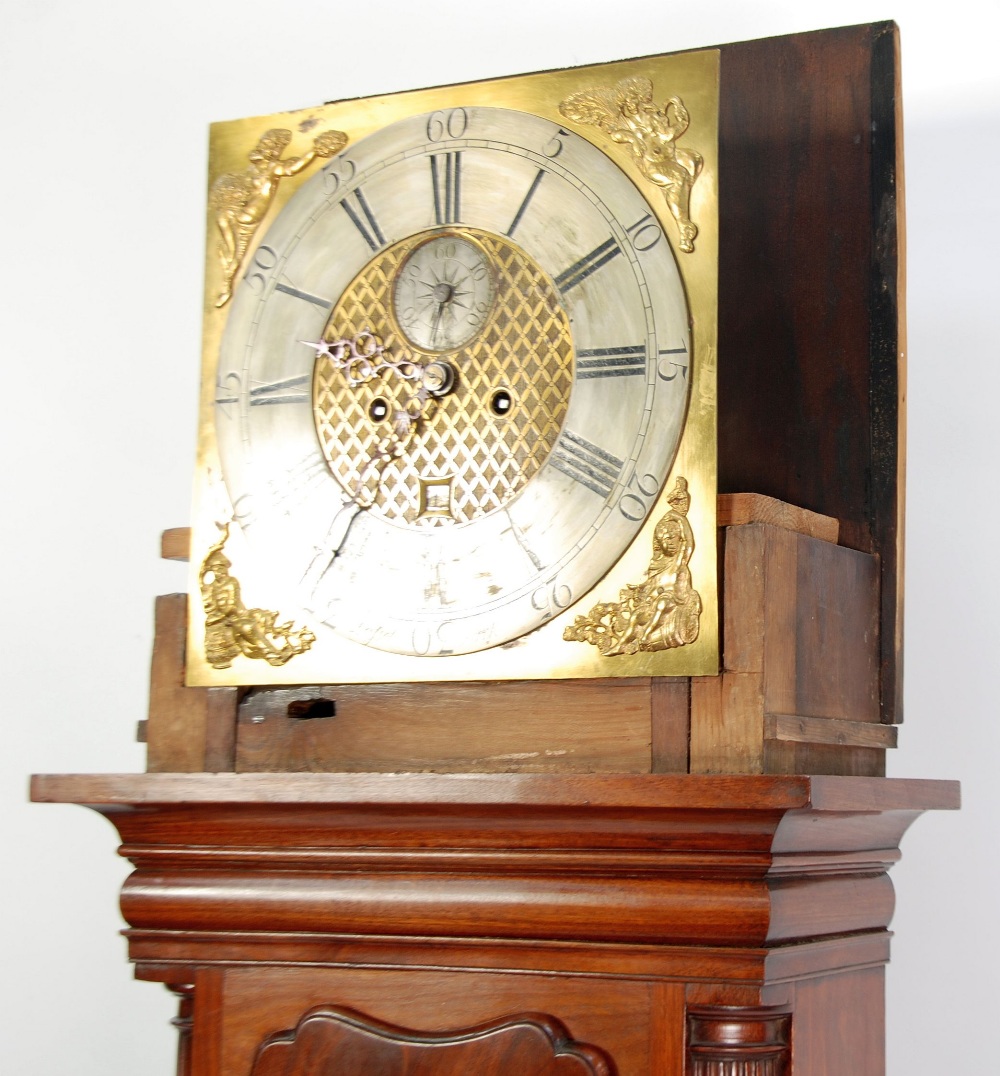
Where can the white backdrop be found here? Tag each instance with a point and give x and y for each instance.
(105, 110)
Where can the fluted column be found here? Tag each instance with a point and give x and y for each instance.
(730, 1041)
(184, 1022)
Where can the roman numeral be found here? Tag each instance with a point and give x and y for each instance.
(446, 179)
(288, 390)
(297, 293)
(611, 362)
(368, 227)
(587, 464)
(527, 201)
(588, 264)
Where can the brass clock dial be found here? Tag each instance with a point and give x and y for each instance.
(451, 386)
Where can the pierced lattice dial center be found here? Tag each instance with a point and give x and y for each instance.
(477, 446)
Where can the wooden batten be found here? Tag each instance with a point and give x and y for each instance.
(189, 729)
(738, 509)
(524, 727)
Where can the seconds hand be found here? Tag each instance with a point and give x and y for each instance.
(443, 294)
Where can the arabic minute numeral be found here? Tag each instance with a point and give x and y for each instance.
(551, 598)
(227, 393)
(339, 172)
(638, 498)
(644, 234)
(555, 144)
(245, 511)
(264, 260)
(667, 368)
(430, 639)
(478, 312)
(452, 123)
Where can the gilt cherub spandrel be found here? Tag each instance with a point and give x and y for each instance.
(664, 610)
(240, 200)
(627, 113)
(231, 628)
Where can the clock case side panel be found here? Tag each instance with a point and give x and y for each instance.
(811, 372)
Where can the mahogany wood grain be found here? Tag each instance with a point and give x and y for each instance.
(405, 855)
(209, 1008)
(437, 902)
(355, 1045)
(113, 793)
(810, 304)
(738, 1041)
(184, 1023)
(839, 1024)
(436, 1002)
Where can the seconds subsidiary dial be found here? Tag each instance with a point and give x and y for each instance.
(452, 382)
(444, 293)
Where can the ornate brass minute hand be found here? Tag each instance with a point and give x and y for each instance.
(362, 359)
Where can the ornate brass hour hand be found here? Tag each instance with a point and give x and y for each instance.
(363, 358)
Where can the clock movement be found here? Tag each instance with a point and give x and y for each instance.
(458, 414)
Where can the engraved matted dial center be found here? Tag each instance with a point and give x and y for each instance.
(499, 398)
